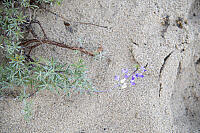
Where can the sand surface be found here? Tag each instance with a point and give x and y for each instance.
(166, 100)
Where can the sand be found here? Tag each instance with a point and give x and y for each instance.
(164, 34)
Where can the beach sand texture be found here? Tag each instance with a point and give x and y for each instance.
(165, 34)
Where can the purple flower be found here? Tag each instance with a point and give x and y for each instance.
(124, 70)
(141, 76)
(132, 83)
(134, 74)
(132, 78)
(117, 78)
(126, 76)
(137, 75)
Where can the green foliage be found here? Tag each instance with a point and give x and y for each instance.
(40, 74)
(51, 2)
(27, 112)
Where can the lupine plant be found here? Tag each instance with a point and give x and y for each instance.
(30, 75)
(130, 77)
(136, 72)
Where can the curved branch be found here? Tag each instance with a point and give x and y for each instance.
(59, 45)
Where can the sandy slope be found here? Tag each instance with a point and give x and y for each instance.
(166, 100)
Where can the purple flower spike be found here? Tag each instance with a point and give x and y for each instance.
(124, 70)
(117, 78)
(141, 76)
(137, 75)
(132, 78)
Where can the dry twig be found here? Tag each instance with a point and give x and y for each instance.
(44, 41)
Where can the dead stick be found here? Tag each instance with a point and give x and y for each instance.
(57, 44)
(28, 42)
